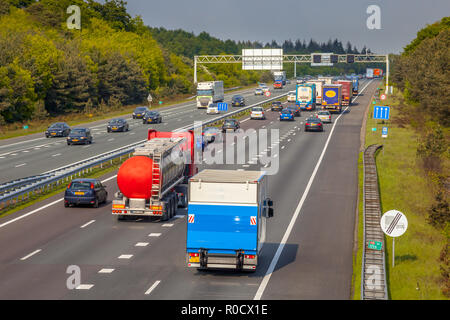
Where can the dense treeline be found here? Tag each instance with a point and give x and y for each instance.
(47, 69)
(422, 73)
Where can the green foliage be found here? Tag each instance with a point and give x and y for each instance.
(429, 32)
(439, 214)
(424, 75)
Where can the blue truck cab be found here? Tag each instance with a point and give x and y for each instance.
(355, 83)
(306, 96)
(226, 225)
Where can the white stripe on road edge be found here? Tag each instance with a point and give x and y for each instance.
(167, 225)
(275, 259)
(141, 244)
(31, 254)
(125, 256)
(154, 234)
(152, 287)
(84, 286)
(21, 165)
(105, 270)
(43, 207)
(85, 225)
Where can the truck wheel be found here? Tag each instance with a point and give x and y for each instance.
(166, 213)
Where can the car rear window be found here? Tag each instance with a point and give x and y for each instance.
(257, 109)
(81, 185)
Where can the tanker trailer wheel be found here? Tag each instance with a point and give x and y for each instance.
(167, 210)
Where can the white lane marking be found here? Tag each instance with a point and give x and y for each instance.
(240, 170)
(152, 287)
(86, 224)
(167, 225)
(112, 139)
(31, 254)
(246, 166)
(14, 154)
(25, 151)
(277, 255)
(141, 244)
(289, 140)
(13, 144)
(283, 147)
(2, 157)
(84, 287)
(179, 216)
(106, 270)
(56, 155)
(125, 256)
(21, 165)
(154, 234)
(43, 207)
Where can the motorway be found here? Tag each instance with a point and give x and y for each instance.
(32, 155)
(309, 249)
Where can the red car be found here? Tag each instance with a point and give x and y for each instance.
(278, 85)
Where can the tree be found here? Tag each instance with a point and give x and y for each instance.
(72, 85)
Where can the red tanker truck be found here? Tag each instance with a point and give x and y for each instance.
(347, 91)
(154, 181)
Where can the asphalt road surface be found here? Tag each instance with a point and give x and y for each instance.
(308, 253)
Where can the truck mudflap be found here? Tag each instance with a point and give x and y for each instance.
(239, 261)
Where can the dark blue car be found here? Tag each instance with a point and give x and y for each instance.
(287, 114)
(85, 191)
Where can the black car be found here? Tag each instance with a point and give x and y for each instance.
(152, 117)
(313, 124)
(118, 125)
(237, 101)
(79, 136)
(85, 191)
(59, 129)
(230, 125)
(139, 112)
(295, 109)
(276, 106)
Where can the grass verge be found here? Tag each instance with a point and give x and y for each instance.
(404, 186)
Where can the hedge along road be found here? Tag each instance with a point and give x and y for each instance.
(41, 155)
(71, 236)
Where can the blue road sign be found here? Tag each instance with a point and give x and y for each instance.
(381, 112)
(222, 106)
(384, 132)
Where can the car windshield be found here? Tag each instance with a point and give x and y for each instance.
(140, 109)
(211, 130)
(237, 97)
(257, 109)
(229, 122)
(276, 103)
(78, 131)
(152, 113)
(80, 185)
(116, 121)
(286, 111)
(56, 126)
(323, 113)
(313, 120)
(291, 92)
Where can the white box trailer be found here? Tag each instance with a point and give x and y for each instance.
(319, 85)
(208, 93)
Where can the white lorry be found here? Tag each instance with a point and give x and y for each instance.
(208, 93)
(319, 84)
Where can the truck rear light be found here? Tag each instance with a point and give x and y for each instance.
(249, 256)
(156, 207)
(118, 206)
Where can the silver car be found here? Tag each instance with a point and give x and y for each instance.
(257, 113)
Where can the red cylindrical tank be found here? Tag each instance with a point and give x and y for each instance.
(135, 177)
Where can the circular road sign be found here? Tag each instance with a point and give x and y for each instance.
(394, 223)
(383, 97)
(267, 94)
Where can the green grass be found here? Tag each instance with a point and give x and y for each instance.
(405, 187)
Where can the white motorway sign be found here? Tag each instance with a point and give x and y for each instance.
(394, 223)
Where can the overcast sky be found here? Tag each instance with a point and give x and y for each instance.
(267, 20)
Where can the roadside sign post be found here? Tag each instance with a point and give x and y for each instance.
(394, 224)
(222, 106)
(384, 132)
(149, 99)
(381, 112)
